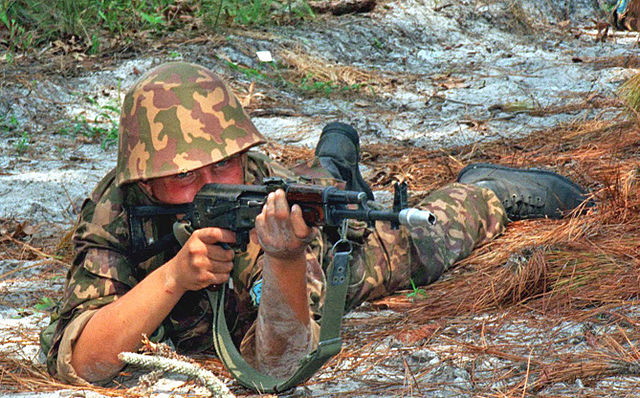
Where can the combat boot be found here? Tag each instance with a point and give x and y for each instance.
(338, 151)
(526, 193)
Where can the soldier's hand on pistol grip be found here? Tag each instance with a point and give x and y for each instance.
(202, 261)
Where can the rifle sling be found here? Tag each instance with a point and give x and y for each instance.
(329, 345)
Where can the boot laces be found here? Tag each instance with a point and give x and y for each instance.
(521, 207)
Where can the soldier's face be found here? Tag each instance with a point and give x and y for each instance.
(181, 188)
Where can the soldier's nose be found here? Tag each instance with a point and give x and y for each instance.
(208, 176)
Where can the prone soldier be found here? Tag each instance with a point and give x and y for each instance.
(181, 128)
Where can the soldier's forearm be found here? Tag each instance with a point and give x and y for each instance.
(283, 331)
(119, 326)
(286, 280)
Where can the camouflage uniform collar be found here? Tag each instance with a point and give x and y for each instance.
(134, 195)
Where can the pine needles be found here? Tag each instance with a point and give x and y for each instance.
(546, 304)
(630, 94)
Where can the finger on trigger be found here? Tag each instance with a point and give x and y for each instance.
(212, 235)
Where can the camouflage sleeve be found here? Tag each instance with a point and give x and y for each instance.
(64, 370)
(100, 273)
(386, 260)
(88, 288)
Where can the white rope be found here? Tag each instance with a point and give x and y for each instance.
(208, 379)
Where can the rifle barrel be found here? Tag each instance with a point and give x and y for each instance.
(410, 217)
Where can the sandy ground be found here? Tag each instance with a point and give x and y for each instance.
(464, 72)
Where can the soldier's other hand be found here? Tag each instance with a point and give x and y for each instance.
(281, 231)
(202, 261)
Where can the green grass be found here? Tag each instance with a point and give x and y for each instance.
(417, 292)
(309, 84)
(103, 128)
(45, 304)
(629, 93)
(8, 123)
(271, 71)
(28, 24)
(23, 143)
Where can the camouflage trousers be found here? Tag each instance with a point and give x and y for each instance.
(386, 260)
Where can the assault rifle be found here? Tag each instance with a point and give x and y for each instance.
(235, 207)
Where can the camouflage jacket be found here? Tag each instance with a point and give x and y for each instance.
(102, 270)
(383, 261)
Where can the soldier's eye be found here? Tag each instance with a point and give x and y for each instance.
(183, 176)
(221, 163)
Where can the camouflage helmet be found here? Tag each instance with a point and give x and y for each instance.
(176, 118)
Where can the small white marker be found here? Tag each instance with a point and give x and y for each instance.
(264, 56)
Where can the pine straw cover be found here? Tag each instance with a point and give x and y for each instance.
(540, 273)
(582, 268)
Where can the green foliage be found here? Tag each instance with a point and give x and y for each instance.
(154, 20)
(253, 12)
(250, 73)
(19, 38)
(629, 93)
(304, 11)
(95, 45)
(8, 123)
(103, 128)
(248, 12)
(311, 85)
(23, 143)
(106, 124)
(416, 291)
(607, 5)
(36, 22)
(317, 86)
(45, 304)
(32, 23)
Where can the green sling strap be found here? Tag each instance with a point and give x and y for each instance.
(329, 344)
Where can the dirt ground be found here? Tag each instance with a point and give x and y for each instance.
(548, 309)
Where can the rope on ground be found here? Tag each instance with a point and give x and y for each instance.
(208, 379)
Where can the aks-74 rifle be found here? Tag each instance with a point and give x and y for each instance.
(235, 207)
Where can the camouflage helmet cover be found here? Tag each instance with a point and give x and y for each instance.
(179, 117)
